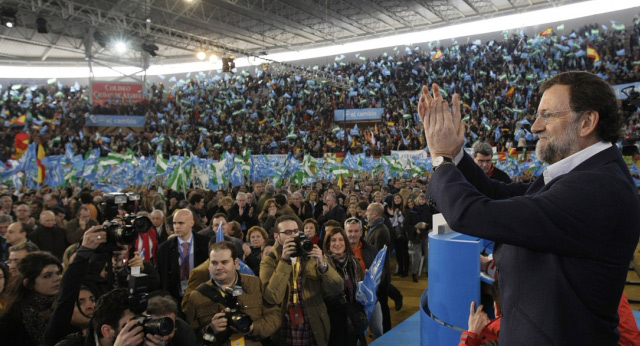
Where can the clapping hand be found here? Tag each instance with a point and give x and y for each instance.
(443, 127)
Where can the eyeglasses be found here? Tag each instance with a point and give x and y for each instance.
(546, 116)
(290, 232)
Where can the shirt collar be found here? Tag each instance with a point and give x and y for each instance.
(567, 164)
(180, 241)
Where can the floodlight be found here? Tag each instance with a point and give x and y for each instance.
(8, 17)
(213, 58)
(201, 55)
(121, 47)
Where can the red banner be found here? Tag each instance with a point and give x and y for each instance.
(102, 92)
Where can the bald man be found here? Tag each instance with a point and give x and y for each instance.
(178, 255)
(48, 236)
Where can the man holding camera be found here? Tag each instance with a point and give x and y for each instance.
(298, 281)
(229, 308)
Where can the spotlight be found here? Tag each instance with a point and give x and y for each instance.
(121, 47)
(150, 48)
(201, 55)
(213, 58)
(8, 17)
(41, 25)
(99, 37)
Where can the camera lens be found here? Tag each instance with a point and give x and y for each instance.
(160, 326)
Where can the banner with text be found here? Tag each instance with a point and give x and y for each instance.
(114, 120)
(406, 155)
(102, 92)
(618, 89)
(363, 114)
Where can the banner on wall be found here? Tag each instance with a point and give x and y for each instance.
(115, 120)
(102, 92)
(362, 114)
(406, 155)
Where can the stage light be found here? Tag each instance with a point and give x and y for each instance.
(150, 48)
(201, 55)
(8, 17)
(121, 47)
(213, 58)
(41, 25)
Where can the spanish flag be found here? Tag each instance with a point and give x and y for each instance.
(593, 54)
(513, 152)
(21, 143)
(39, 157)
(510, 92)
(547, 32)
(18, 120)
(438, 56)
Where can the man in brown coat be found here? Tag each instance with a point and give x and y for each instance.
(305, 320)
(228, 288)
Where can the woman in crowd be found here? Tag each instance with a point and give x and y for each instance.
(396, 217)
(257, 237)
(352, 210)
(314, 203)
(31, 296)
(417, 223)
(311, 228)
(4, 280)
(377, 197)
(267, 217)
(347, 316)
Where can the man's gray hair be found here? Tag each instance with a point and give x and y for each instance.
(6, 219)
(158, 211)
(482, 148)
(270, 188)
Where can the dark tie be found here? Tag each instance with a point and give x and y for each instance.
(184, 269)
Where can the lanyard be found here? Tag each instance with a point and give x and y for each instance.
(188, 252)
(296, 273)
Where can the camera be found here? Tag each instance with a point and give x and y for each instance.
(124, 232)
(238, 319)
(158, 326)
(137, 301)
(112, 202)
(303, 245)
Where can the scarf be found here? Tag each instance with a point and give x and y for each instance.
(35, 315)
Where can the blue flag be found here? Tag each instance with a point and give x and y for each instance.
(366, 292)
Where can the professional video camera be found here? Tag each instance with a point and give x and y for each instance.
(138, 300)
(124, 231)
(112, 202)
(303, 245)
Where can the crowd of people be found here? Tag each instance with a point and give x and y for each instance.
(65, 278)
(206, 115)
(62, 263)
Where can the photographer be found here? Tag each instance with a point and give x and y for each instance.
(230, 307)
(113, 324)
(164, 306)
(68, 299)
(299, 283)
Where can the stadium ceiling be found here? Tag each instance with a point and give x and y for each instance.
(180, 28)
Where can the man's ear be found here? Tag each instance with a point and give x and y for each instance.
(237, 263)
(108, 332)
(588, 123)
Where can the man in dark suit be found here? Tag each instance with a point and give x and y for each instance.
(180, 254)
(331, 210)
(483, 156)
(48, 236)
(564, 241)
(159, 224)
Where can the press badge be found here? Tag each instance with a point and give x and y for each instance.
(183, 286)
(296, 315)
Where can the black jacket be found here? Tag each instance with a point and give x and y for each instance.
(168, 262)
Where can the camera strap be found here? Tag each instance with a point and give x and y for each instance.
(296, 273)
(210, 292)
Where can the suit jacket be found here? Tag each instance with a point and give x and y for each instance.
(52, 239)
(169, 266)
(564, 247)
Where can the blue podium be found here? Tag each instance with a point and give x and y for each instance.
(454, 281)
